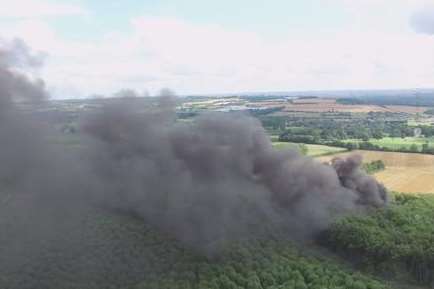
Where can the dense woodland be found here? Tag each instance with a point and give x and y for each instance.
(120, 251)
(265, 264)
(391, 241)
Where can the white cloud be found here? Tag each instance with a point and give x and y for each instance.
(38, 8)
(192, 58)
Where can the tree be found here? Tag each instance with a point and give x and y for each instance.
(253, 282)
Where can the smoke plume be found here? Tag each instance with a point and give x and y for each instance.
(218, 177)
(41, 185)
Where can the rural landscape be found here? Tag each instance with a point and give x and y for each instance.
(169, 144)
(389, 247)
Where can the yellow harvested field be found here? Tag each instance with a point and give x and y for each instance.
(408, 173)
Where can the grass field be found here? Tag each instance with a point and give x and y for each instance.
(312, 149)
(395, 143)
(408, 173)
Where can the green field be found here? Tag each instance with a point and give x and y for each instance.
(396, 143)
(419, 122)
(310, 149)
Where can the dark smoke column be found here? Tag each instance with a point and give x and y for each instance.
(217, 178)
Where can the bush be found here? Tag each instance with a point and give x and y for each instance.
(374, 167)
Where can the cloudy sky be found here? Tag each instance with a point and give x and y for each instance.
(204, 46)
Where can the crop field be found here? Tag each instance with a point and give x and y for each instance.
(405, 172)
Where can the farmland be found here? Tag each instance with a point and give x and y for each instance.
(294, 104)
(331, 105)
(405, 172)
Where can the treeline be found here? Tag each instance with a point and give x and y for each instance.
(374, 167)
(388, 240)
(416, 99)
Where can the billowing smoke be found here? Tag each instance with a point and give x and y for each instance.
(218, 177)
(20, 140)
(41, 192)
(370, 192)
(215, 179)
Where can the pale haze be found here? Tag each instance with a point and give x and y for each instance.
(210, 47)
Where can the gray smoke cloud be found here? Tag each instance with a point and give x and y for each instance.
(218, 177)
(203, 182)
(422, 21)
(20, 148)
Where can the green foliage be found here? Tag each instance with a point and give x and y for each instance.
(119, 251)
(401, 234)
(370, 131)
(329, 130)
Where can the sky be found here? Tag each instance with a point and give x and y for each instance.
(99, 47)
